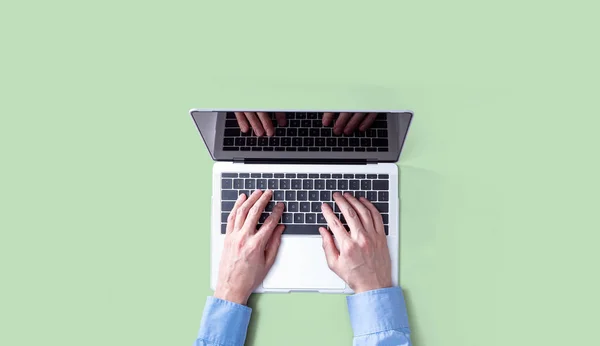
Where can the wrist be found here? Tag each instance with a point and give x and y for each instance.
(231, 296)
(371, 286)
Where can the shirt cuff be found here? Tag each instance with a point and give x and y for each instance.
(377, 311)
(224, 322)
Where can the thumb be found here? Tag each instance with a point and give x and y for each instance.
(331, 251)
(273, 246)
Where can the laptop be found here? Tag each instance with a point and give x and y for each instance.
(304, 163)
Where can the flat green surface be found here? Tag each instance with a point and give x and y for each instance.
(105, 182)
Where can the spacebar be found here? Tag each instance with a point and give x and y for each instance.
(301, 229)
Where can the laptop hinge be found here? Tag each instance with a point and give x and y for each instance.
(303, 161)
(238, 160)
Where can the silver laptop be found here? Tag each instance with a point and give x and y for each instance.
(304, 163)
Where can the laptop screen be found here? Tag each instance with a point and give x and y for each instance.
(296, 135)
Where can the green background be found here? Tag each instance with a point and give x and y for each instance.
(105, 182)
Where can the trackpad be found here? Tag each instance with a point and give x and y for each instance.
(301, 265)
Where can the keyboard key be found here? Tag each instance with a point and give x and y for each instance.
(382, 207)
(278, 195)
(238, 184)
(325, 195)
(284, 184)
(226, 183)
(319, 184)
(325, 176)
(267, 175)
(359, 194)
(227, 206)
(380, 142)
(250, 184)
(330, 184)
(336, 176)
(290, 149)
(320, 142)
(325, 149)
(278, 175)
(273, 184)
(313, 196)
(267, 149)
(384, 196)
(354, 142)
(270, 206)
(307, 184)
(315, 132)
(305, 207)
(263, 141)
(223, 228)
(245, 192)
(313, 176)
(372, 196)
(371, 176)
(228, 141)
(286, 142)
(315, 207)
(290, 175)
(252, 141)
(313, 149)
(290, 195)
(386, 229)
(343, 142)
(321, 218)
(365, 185)
(348, 176)
(330, 204)
(229, 195)
(382, 133)
(229, 175)
(297, 141)
(326, 132)
(302, 195)
(274, 142)
(231, 123)
(234, 148)
(354, 184)
(296, 184)
(365, 142)
(257, 148)
(287, 218)
(298, 218)
(261, 184)
(303, 132)
(386, 218)
(357, 176)
(255, 175)
(332, 142)
(342, 184)
(301, 175)
(348, 149)
(384, 176)
(371, 149)
(310, 218)
(381, 185)
(280, 132)
(280, 149)
(224, 217)
(263, 217)
(306, 123)
(292, 207)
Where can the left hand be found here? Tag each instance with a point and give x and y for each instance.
(248, 254)
(347, 123)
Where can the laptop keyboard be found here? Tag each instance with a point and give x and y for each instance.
(303, 194)
(305, 132)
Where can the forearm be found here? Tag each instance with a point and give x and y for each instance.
(379, 317)
(223, 323)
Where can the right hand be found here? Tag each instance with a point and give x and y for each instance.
(347, 123)
(260, 122)
(363, 258)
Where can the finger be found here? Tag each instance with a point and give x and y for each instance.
(327, 119)
(369, 119)
(267, 123)
(255, 211)
(364, 213)
(281, 119)
(355, 120)
(349, 213)
(242, 212)
(340, 123)
(331, 251)
(273, 246)
(271, 222)
(242, 121)
(375, 214)
(233, 212)
(256, 124)
(333, 222)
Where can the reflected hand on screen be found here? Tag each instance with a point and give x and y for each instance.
(347, 123)
(260, 122)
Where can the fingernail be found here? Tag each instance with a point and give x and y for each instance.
(337, 194)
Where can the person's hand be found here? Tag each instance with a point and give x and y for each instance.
(248, 254)
(260, 122)
(362, 259)
(347, 123)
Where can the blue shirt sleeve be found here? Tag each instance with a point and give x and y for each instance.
(223, 323)
(379, 317)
